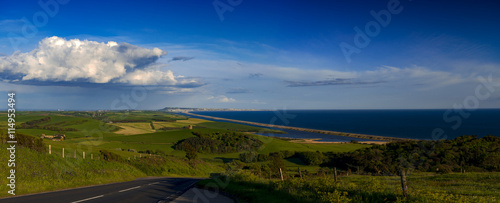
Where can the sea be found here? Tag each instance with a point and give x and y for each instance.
(416, 124)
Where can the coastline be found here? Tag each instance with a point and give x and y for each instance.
(355, 135)
(315, 141)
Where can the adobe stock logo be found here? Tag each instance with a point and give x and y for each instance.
(362, 38)
(221, 7)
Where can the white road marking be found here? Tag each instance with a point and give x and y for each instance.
(129, 189)
(83, 200)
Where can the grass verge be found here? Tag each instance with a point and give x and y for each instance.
(422, 187)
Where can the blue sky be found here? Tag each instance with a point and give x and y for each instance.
(85, 55)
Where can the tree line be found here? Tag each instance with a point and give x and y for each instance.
(35, 124)
(465, 153)
(219, 142)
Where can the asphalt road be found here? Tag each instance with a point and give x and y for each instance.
(141, 190)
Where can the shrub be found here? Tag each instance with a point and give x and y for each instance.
(248, 157)
(110, 156)
(311, 158)
(276, 163)
(335, 196)
(191, 152)
(287, 154)
(31, 142)
(276, 154)
(443, 169)
(244, 176)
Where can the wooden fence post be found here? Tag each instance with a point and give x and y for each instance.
(335, 173)
(50, 149)
(83, 155)
(91, 156)
(300, 173)
(281, 174)
(404, 187)
(63, 152)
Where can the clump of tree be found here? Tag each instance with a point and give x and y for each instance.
(311, 158)
(308, 157)
(276, 163)
(129, 120)
(152, 151)
(220, 142)
(164, 119)
(191, 152)
(466, 152)
(248, 157)
(35, 124)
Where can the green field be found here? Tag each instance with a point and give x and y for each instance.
(237, 127)
(137, 116)
(273, 145)
(93, 134)
(133, 128)
(169, 137)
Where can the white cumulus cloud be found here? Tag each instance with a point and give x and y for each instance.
(57, 59)
(149, 77)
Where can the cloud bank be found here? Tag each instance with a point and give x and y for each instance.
(59, 60)
(180, 58)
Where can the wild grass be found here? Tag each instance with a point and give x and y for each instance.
(422, 187)
(37, 172)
